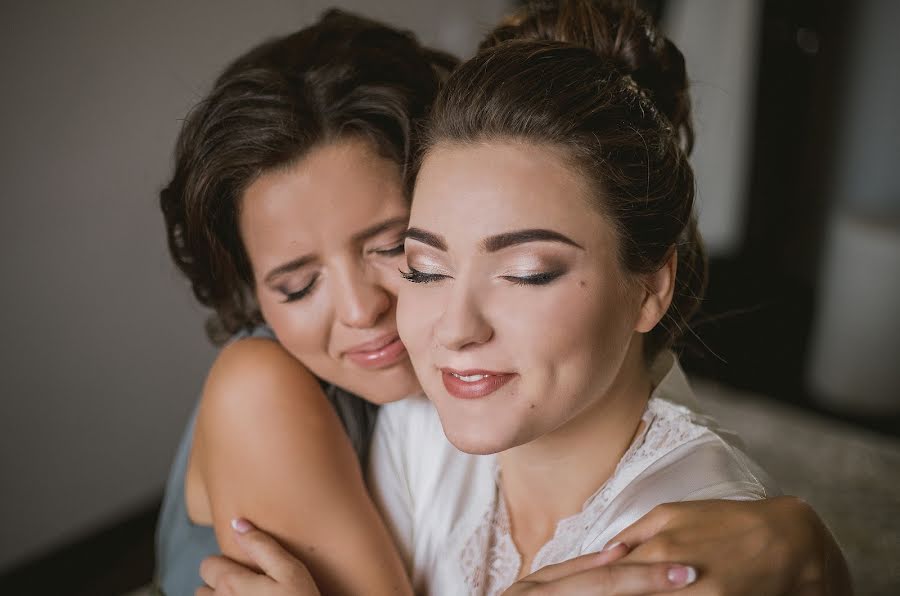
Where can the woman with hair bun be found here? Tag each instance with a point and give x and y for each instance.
(556, 259)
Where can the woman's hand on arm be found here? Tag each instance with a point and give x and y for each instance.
(773, 547)
(272, 449)
(769, 547)
(282, 573)
(603, 574)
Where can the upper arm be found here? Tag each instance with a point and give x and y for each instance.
(275, 452)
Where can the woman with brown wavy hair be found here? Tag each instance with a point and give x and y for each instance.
(286, 212)
(288, 207)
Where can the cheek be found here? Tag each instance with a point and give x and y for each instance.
(416, 311)
(301, 327)
(389, 275)
(569, 331)
(546, 333)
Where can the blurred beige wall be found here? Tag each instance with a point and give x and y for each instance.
(103, 351)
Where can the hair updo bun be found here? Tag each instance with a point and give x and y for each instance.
(619, 33)
(597, 80)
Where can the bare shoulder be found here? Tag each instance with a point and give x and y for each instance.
(256, 380)
(274, 451)
(254, 365)
(262, 407)
(266, 438)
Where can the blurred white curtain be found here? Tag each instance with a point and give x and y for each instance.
(856, 338)
(719, 40)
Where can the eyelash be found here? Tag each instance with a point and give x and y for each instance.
(418, 277)
(390, 252)
(299, 294)
(538, 279)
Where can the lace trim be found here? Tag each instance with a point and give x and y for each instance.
(490, 560)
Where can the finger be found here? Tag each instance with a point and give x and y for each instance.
(626, 580)
(612, 552)
(213, 569)
(272, 558)
(204, 591)
(248, 584)
(578, 564)
(651, 524)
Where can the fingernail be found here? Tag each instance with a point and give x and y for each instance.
(681, 575)
(609, 547)
(241, 525)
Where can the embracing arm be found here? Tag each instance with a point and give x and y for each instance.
(270, 448)
(770, 547)
(767, 547)
(773, 547)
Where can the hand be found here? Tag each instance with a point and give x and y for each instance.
(282, 574)
(761, 548)
(599, 574)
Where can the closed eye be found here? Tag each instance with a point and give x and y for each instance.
(418, 277)
(299, 294)
(393, 251)
(538, 279)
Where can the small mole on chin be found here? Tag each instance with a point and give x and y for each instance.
(531, 406)
(582, 283)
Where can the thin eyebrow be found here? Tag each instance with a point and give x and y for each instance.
(362, 236)
(428, 238)
(505, 240)
(378, 228)
(289, 267)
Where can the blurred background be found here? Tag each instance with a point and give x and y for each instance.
(798, 166)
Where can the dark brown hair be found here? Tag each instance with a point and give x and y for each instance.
(599, 81)
(343, 76)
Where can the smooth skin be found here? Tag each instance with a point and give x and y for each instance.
(521, 277)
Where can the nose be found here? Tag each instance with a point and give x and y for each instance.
(360, 298)
(462, 325)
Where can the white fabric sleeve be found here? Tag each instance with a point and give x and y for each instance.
(705, 468)
(388, 479)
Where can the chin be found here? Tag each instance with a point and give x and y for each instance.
(399, 384)
(383, 386)
(474, 446)
(475, 439)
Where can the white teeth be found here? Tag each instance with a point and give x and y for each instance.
(469, 378)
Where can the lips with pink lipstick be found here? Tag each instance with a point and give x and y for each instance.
(378, 353)
(473, 384)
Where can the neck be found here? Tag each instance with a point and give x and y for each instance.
(550, 478)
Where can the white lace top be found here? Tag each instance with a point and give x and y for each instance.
(451, 524)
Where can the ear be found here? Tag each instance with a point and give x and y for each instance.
(659, 287)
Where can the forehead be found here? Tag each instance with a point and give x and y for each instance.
(490, 188)
(330, 194)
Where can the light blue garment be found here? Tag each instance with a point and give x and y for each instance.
(181, 544)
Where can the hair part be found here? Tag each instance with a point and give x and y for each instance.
(599, 82)
(345, 76)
